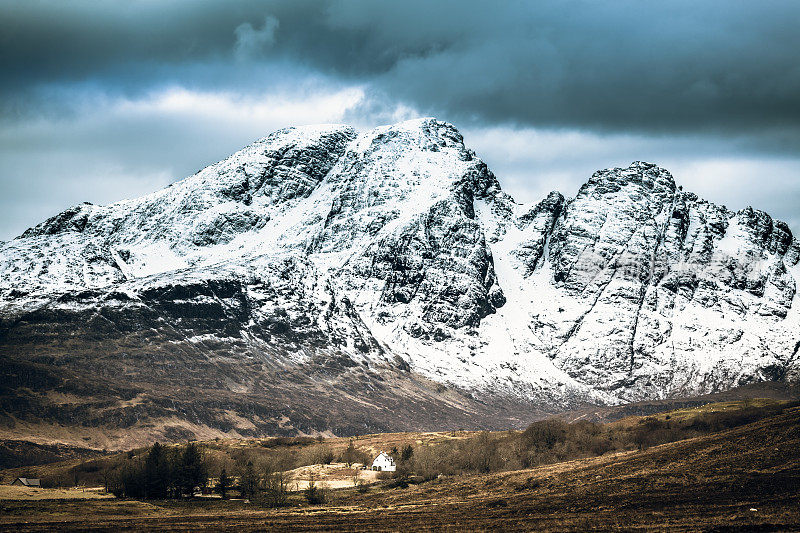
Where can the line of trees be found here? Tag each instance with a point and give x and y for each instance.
(165, 472)
(162, 473)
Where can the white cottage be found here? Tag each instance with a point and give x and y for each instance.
(383, 463)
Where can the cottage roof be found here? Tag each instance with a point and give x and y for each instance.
(28, 481)
(383, 456)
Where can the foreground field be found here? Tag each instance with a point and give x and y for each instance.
(747, 478)
(16, 492)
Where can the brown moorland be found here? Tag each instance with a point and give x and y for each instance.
(741, 479)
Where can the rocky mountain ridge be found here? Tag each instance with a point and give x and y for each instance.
(396, 250)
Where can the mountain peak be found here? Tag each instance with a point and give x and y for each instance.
(308, 131)
(637, 178)
(427, 134)
(319, 247)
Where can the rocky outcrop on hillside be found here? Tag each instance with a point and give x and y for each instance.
(394, 255)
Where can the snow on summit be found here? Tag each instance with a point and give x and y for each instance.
(398, 244)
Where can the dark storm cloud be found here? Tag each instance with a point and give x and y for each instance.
(625, 65)
(104, 100)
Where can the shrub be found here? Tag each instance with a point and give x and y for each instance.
(545, 434)
(248, 480)
(652, 431)
(400, 476)
(349, 455)
(363, 457)
(480, 454)
(384, 475)
(359, 483)
(317, 455)
(431, 461)
(223, 484)
(276, 490)
(315, 494)
(407, 453)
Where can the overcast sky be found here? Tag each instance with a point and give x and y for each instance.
(104, 100)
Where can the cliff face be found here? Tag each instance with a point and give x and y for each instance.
(672, 294)
(395, 251)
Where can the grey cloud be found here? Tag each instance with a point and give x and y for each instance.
(682, 83)
(251, 42)
(719, 66)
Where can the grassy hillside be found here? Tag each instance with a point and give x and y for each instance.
(740, 472)
(432, 453)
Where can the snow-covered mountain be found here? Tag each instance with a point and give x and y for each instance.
(397, 248)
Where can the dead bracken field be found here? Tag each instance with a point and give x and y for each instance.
(742, 479)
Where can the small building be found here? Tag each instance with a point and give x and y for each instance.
(27, 482)
(384, 463)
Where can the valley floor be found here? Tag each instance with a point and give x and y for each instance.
(743, 479)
